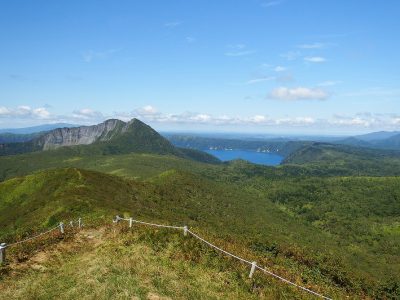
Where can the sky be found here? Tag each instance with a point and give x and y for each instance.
(273, 66)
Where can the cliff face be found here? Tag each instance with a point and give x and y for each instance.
(108, 138)
(83, 135)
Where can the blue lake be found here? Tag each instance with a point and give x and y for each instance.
(261, 158)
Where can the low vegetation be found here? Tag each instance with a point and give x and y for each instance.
(258, 219)
(328, 218)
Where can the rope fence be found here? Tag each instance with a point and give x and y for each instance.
(60, 226)
(186, 231)
(253, 264)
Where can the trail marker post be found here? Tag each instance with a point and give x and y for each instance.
(71, 223)
(3, 247)
(79, 222)
(62, 227)
(185, 230)
(130, 222)
(253, 268)
(117, 219)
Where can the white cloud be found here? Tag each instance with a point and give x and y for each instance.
(222, 120)
(395, 121)
(311, 46)
(353, 121)
(87, 114)
(260, 79)
(361, 121)
(41, 113)
(279, 69)
(298, 93)
(25, 112)
(4, 111)
(315, 59)
(202, 118)
(259, 119)
(296, 121)
(147, 110)
(367, 120)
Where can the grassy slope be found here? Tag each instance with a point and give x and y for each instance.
(344, 229)
(129, 165)
(173, 198)
(245, 216)
(142, 263)
(325, 160)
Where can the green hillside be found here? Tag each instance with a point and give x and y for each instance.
(328, 218)
(318, 160)
(341, 160)
(262, 219)
(142, 263)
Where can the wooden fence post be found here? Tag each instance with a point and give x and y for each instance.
(185, 230)
(61, 227)
(3, 247)
(130, 222)
(117, 219)
(253, 268)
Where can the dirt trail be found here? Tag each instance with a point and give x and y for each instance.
(87, 237)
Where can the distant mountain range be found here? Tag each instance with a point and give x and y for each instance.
(110, 137)
(380, 140)
(51, 136)
(36, 129)
(18, 135)
(284, 146)
(279, 146)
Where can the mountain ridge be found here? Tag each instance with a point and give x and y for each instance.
(36, 129)
(112, 136)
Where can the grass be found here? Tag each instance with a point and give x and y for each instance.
(119, 263)
(331, 221)
(248, 217)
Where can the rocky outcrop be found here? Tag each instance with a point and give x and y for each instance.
(111, 137)
(83, 135)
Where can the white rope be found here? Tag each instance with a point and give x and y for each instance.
(230, 254)
(150, 224)
(215, 247)
(34, 237)
(292, 283)
(258, 267)
(158, 225)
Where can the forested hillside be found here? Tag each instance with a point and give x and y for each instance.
(328, 218)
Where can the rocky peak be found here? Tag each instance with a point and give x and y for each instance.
(83, 135)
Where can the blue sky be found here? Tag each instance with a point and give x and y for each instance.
(290, 66)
